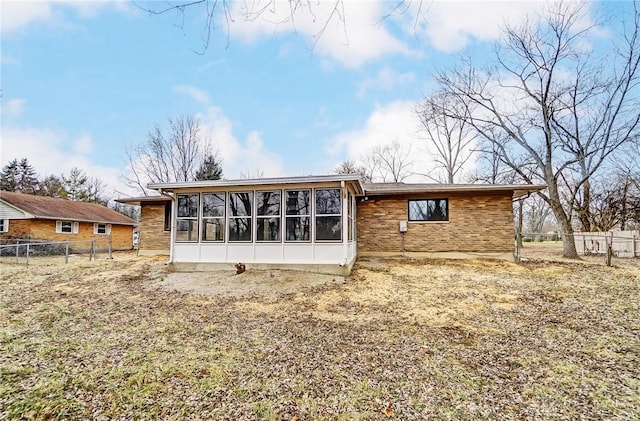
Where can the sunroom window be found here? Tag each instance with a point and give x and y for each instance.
(328, 215)
(240, 205)
(268, 215)
(213, 216)
(187, 219)
(298, 215)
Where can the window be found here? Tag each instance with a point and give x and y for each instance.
(167, 216)
(187, 219)
(429, 210)
(240, 205)
(298, 215)
(213, 216)
(328, 215)
(4, 225)
(67, 227)
(268, 215)
(102, 228)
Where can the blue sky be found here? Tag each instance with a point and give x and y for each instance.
(82, 80)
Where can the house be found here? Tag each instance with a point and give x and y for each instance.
(322, 223)
(52, 219)
(154, 230)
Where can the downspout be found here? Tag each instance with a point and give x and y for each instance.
(172, 234)
(345, 223)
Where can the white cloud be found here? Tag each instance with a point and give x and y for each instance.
(389, 123)
(450, 25)
(196, 94)
(83, 145)
(395, 121)
(353, 33)
(17, 15)
(239, 157)
(55, 152)
(12, 108)
(385, 80)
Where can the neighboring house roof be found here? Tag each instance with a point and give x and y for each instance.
(260, 181)
(144, 199)
(42, 207)
(386, 189)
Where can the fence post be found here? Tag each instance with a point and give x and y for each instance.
(91, 251)
(609, 250)
(27, 261)
(17, 250)
(66, 252)
(633, 246)
(109, 247)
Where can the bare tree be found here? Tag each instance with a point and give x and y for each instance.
(451, 137)
(352, 167)
(212, 11)
(176, 154)
(569, 110)
(393, 162)
(323, 14)
(536, 213)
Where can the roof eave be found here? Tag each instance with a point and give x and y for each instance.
(256, 182)
(517, 189)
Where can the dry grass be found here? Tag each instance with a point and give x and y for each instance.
(405, 339)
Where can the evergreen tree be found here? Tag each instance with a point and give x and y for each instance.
(9, 176)
(210, 169)
(75, 185)
(19, 176)
(28, 179)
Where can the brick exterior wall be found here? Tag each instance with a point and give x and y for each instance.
(478, 223)
(152, 233)
(43, 229)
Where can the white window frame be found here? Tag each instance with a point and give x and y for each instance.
(267, 217)
(193, 219)
(250, 217)
(96, 229)
(5, 225)
(74, 227)
(327, 215)
(208, 218)
(308, 215)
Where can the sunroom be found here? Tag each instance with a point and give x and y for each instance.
(296, 222)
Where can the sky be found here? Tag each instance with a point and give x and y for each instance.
(82, 81)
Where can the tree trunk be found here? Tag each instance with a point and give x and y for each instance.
(568, 240)
(584, 208)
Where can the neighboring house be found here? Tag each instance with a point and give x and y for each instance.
(48, 218)
(323, 223)
(154, 233)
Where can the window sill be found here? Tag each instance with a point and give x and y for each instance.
(428, 222)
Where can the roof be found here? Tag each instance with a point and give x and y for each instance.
(143, 199)
(386, 189)
(260, 181)
(43, 207)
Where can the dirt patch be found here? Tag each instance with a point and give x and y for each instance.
(251, 283)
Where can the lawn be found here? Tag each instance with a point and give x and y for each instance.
(399, 339)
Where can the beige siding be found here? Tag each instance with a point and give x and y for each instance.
(152, 233)
(482, 223)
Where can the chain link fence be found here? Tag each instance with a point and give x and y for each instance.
(27, 251)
